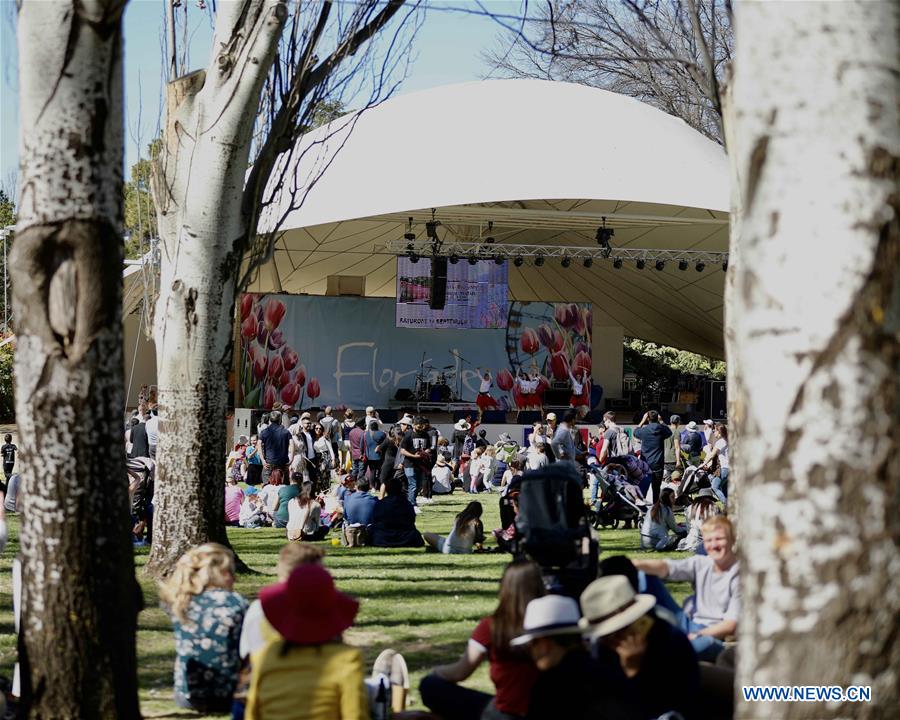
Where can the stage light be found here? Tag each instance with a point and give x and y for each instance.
(518, 261)
(682, 265)
(489, 240)
(604, 234)
(617, 264)
(472, 259)
(641, 264)
(660, 264)
(538, 260)
(431, 229)
(454, 258)
(498, 260)
(724, 266)
(413, 258)
(566, 261)
(588, 262)
(701, 266)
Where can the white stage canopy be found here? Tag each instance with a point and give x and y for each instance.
(543, 162)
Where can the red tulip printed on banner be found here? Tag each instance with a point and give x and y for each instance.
(270, 370)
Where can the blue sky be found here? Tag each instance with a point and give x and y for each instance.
(447, 50)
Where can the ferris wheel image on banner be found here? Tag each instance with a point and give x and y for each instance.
(548, 340)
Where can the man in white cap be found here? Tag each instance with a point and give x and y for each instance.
(650, 658)
(692, 442)
(570, 684)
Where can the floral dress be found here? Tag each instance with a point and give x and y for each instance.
(206, 646)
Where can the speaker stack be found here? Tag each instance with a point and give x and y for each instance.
(438, 297)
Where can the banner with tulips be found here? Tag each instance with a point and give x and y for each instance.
(304, 351)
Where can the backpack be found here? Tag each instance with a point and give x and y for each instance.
(622, 445)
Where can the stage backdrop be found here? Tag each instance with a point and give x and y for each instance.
(303, 350)
(477, 295)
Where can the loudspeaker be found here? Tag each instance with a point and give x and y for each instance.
(438, 283)
(403, 394)
(716, 404)
(557, 398)
(493, 417)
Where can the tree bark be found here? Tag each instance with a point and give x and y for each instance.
(80, 599)
(198, 188)
(813, 357)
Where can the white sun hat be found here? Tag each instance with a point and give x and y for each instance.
(610, 604)
(549, 615)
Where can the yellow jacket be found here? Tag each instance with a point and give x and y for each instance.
(318, 682)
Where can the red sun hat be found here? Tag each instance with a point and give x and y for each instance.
(307, 608)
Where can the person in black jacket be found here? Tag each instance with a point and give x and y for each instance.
(394, 519)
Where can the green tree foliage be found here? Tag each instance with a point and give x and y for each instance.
(7, 210)
(140, 212)
(657, 364)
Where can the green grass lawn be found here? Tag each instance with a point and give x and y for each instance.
(422, 604)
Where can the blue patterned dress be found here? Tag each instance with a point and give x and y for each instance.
(206, 646)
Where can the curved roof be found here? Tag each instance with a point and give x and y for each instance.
(542, 161)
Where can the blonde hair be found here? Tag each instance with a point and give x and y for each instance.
(200, 568)
(716, 522)
(491, 451)
(295, 554)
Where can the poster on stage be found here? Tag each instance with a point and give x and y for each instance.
(477, 295)
(305, 351)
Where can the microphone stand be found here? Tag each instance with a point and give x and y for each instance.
(459, 374)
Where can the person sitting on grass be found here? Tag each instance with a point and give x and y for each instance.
(658, 522)
(570, 684)
(442, 476)
(641, 653)
(304, 514)
(511, 669)
(703, 507)
(394, 518)
(715, 578)
(467, 532)
(283, 496)
(253, 510)
(309, 673)
(207, 616)
(234, 496)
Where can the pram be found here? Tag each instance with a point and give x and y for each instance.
(620, 501)
(552, 528)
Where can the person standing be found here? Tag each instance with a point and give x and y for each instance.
(332, 430)
(652, 435)
(153, 430)
(140, 445)
(273, 446)
(551, 432)
(372, 416)
(563, 442)
(719, 452)
(8, 451)
(416, 457)
(692, 442)
(356, 439)
(484, 400)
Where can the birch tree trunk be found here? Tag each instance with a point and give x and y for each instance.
(198, 189)
(815, 317)
(79, 597)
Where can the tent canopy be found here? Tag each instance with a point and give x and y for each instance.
(543, 162)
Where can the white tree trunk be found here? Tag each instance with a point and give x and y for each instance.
(198, 191)
(79, 595)
(815, 322)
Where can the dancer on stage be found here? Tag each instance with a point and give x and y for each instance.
(484, 400)
(581, 391)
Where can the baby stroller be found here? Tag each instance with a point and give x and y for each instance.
(619, 502)
(553, 529)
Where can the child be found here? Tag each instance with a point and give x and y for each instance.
(253, 511)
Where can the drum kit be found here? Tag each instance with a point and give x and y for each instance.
(434, 384)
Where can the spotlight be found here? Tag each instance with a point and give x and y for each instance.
(489, 240)
(472, 259)
(431, 229)
(498, 260)
(641, 264)
(724, 266)
(682, 265)
(454, 258)
(413, 258)
(588, 262)
(566, 261)
(409, 236)
(538, 260)
(660, 264)
(617, 263)
(518, 261)
(604, 234)
(700, 266)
